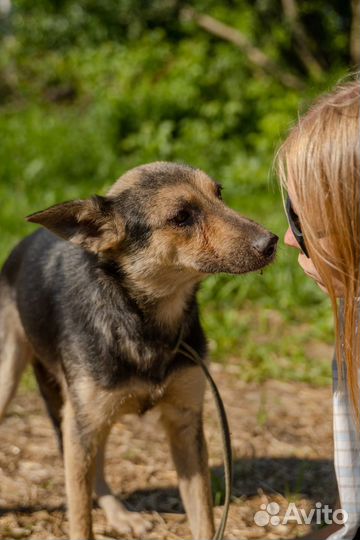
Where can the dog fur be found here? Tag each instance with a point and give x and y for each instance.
(96, 302)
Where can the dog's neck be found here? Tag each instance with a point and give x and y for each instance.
(148, 336)
(163, 297)
(169, 311)
(166, 303)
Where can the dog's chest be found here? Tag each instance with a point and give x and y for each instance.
(136, 397)
(140, 397)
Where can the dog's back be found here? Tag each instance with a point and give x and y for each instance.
(43, 276)
(15, 349)
(33, 275)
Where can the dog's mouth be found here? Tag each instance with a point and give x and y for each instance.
(234, 269)
(238, 263)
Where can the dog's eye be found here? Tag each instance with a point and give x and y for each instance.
(218, 190)
(182, 218)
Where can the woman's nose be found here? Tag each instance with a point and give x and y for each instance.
(290, 239)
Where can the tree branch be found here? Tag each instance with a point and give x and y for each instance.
(291, 12)
(355, 33)
(237, 38)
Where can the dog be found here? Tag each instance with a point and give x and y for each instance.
(96, 300)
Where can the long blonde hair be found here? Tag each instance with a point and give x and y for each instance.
(320, 161)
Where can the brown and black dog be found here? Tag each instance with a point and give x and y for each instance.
(97, 303)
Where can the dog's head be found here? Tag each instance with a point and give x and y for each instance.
(165, 221)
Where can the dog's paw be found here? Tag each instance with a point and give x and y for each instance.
(123, 521)
(129, 523)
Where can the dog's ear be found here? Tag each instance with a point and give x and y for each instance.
(90, 223)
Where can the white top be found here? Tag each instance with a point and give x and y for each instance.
(346, 459)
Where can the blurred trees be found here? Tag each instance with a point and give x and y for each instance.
(307, 35)
(228, 73)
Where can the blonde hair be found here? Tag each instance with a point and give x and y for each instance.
(320, 162)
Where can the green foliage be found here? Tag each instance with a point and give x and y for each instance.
(89, 89)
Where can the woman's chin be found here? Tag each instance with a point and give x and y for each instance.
(309, 269)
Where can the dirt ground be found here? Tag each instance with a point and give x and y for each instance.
(282, 444)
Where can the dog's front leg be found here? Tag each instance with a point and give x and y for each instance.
(188, 447)
(117, 516)
(79, 458)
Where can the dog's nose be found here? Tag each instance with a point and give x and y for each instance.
(266, 245)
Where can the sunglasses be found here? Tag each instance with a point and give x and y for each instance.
(295, 226)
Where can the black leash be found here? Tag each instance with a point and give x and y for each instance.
(190, 353)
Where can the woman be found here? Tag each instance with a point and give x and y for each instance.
(319, 166)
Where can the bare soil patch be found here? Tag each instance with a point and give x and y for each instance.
(282, 443)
